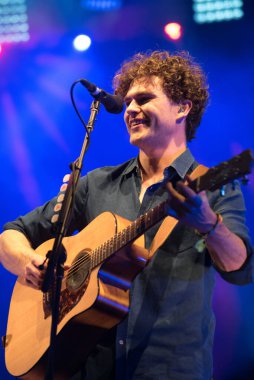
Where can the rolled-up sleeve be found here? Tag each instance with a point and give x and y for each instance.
(232, 208)
(37, 225)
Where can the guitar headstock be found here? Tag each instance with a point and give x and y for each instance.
(217, 176)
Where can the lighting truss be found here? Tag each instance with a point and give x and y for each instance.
(13, 21)
(207, 11)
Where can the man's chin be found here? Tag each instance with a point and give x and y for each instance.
(139, 141)
(135, 140)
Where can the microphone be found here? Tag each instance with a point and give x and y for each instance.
(112, 103)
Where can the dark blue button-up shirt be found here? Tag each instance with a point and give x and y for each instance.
(168, 333)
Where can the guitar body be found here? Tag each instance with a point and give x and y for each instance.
(89, 306)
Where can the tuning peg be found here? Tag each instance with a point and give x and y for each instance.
(244, 180)
(233, 184)
(222, 191)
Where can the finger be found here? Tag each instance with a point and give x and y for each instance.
(192, 197)
(34, 276)
(188, 204)
(174, 194)
(32, 271)
(196, 201)
(185, 190)
(188, 179)
(179, 209)
(203, 195)
(32, 283)
(38, 261)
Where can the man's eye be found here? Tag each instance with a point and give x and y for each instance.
(143, 100)
(139, 101)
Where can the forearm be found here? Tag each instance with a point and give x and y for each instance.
(226, 249)
(15, 252)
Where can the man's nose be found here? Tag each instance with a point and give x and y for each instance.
(133, 107)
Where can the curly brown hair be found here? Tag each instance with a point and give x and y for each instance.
(182, 78)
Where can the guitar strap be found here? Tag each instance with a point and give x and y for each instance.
(170, 222)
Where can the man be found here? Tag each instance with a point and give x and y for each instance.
(169, 330)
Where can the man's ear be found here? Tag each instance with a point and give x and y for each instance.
(184, 109)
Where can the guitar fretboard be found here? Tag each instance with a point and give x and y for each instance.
(129, 233)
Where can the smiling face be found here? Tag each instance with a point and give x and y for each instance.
(152, 119)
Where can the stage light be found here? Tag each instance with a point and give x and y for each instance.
(173, 30)
(101, 5)
(13, 21)
(82, 42)
(207, 11)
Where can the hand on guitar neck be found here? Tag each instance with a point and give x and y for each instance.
(226, 249)
(190, 208)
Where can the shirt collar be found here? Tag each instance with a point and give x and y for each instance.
(182, 164)
(132, 166)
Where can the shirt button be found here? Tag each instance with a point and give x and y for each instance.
(121, 342)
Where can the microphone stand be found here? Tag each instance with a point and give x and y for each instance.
(57, 256)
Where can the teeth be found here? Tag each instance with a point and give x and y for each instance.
(135, 122)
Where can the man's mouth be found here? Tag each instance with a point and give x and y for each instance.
(135, 122)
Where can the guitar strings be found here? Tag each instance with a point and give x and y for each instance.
(89, 257)
(105, 248)
(95, 256)
(85, 261)
(78, 265)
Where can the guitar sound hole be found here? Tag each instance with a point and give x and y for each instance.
(79, 271)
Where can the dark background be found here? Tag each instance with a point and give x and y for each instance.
(41, 134)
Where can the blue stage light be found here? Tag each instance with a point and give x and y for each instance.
(101, 5)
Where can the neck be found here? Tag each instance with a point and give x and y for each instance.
(153, 165)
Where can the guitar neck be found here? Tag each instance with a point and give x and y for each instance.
(134, 230)
(227, 171)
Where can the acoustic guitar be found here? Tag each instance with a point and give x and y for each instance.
(104, 259)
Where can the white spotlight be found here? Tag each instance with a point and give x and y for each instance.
(82, 42)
